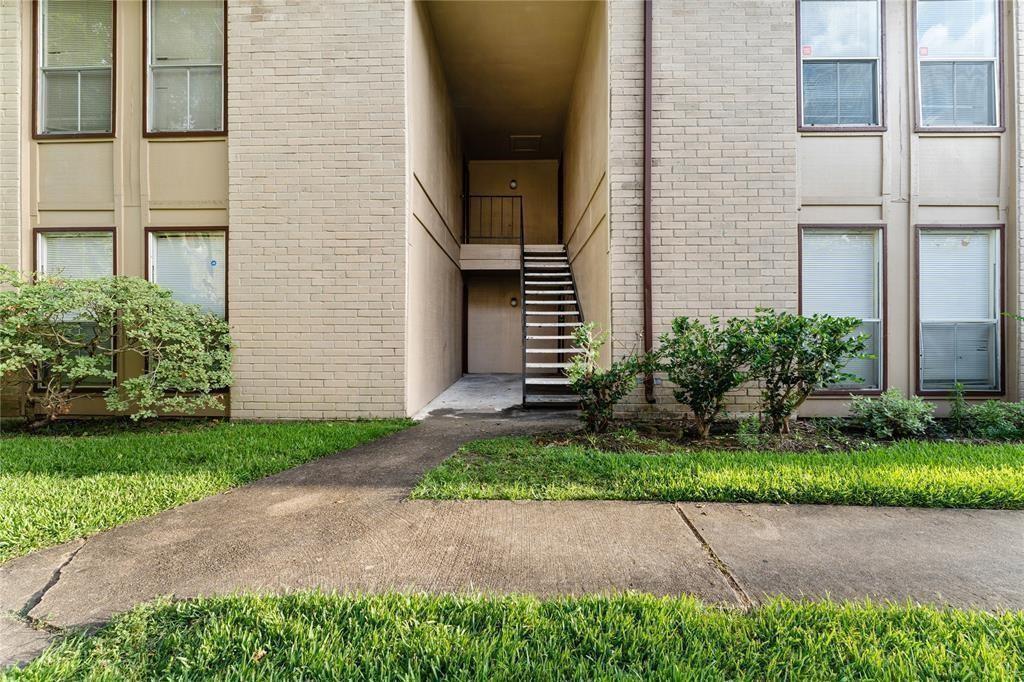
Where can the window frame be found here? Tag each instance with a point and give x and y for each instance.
(37, 236)
(147, 9)
(1001, 328)
(999, 61)
(150, 232)
(883, 299)
(37, 90)
(881, 126)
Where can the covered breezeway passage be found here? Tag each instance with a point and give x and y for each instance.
(508, 123)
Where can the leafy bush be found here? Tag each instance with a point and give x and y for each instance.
(793, 355)
(58, 336)
(892, 415)
(958, 412)
(996, 420)
(600, 389)
(748, 431)
(705, 362)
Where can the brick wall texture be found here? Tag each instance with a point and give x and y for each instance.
(10, 152)
(316, 112)
(724, 193)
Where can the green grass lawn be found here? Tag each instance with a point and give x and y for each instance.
(322, 637)
(914, 474)
(57, 488)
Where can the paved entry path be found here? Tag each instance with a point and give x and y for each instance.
(344, 523)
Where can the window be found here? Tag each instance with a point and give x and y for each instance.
(958, 62)
(959, 309)
(841, 274)
(185, 66)
(840, 63)
(77, 254)
(192, 266)
(75, 54)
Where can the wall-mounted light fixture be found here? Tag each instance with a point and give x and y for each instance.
(513, 301)
(512, 184)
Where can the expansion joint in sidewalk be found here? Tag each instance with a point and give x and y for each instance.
(741, 595)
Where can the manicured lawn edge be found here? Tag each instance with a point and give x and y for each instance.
(907, 473)
(58, 488)
(634, 636)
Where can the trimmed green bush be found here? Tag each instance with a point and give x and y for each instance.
(892, 415)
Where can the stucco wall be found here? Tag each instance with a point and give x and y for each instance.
(434, 324)
(586, 174)
(537, 184)
(318, 208)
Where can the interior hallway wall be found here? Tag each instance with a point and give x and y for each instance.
(434, 279)
(586, 175)
(537, 183)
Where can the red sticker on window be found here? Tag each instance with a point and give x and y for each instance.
(806, 50)
(923, 51)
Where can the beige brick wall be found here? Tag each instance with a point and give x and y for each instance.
(10, 151)
(10, 132)
(724, 237)
(316, 112)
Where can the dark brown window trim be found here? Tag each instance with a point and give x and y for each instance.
(884, 303)
(36, 232)
(146, 5)
(918, 229)
(185, 230)
(36, 46)
(882, 127)
(915, 81)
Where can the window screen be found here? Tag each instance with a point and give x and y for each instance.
(841, 276)
(75, 255)
(840, 53)
(959, 309)
(958, 62)
(186, 65)
(191, 265)
(75, 80)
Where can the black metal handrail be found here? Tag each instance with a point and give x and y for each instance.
(493, 219)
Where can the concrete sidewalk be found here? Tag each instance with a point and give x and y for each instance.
(344, 523)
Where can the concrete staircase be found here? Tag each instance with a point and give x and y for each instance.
(551, 312)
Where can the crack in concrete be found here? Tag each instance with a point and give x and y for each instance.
(741, 595)
(36, 598)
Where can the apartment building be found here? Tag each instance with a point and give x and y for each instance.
(383, 196)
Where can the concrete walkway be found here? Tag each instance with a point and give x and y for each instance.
(344, 523)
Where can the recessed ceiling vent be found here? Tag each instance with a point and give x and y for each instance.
(524, 144)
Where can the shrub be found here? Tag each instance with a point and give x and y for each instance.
(995, 420)
(793, 355)
(958, 412)
(705, 362)
(892, 415)
(59, 335)
(600, 389)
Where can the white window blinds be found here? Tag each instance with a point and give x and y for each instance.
(841, 276)
(75, 255)
(957, 43)
(840, 52)
(76, 48)
(959, 309)
(191, 266)
(186, 65)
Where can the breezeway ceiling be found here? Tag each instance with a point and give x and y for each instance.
(510, 67)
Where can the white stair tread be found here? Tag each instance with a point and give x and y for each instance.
(547, 274)
(542, 399)
(544, 248)
(554, 324)
(547, 283)
(551, 292)
(548, 338)
(554, 351)
(568, 301)
(547, 266)
(557, 313)
(546, 258)
(549, 365)
(547, 381)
